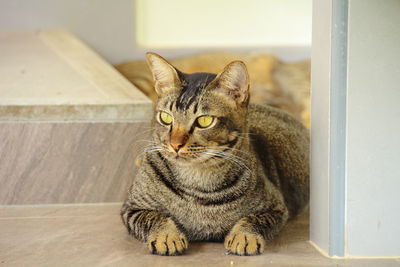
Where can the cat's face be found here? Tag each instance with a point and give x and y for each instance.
(201, 115)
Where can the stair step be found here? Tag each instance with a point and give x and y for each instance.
(51, 75)
(69, 122)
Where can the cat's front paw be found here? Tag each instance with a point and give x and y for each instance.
(167, 241)
(243, 243)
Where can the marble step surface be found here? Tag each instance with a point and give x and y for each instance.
(93, 235)
(51, 75)
(68, 162)
(70, 124)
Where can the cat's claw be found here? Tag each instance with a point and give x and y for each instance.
(167, 242)
(244, 243)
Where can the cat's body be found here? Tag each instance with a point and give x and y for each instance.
(244, 196)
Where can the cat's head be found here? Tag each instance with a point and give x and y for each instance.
(198, 116)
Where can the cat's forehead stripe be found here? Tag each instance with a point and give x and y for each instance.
(170, 103)
(193, 86)
(195, 108)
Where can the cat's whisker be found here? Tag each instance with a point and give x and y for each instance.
(144, 140)
(149, 151)
(143, 132)
(231, 149)
(153, 150)
(233, 158)
(152, 147)
(151, 144)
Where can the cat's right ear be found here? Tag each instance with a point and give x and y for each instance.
(164, 74)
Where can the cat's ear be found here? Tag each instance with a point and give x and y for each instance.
(234, 82)
(164, 74)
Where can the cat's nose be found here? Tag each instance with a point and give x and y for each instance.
(177, 146)
(178, 139)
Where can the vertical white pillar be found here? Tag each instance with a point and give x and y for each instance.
(355, 137)
(320, 87)
(328, 143)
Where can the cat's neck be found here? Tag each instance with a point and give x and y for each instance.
(202, 177)
(209, 176)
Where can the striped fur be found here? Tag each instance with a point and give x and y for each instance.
(239, 180)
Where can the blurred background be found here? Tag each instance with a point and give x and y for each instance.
(124, 30)
(273, 38)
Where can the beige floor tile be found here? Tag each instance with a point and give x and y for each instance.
(93, 235)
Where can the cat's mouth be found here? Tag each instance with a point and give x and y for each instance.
(182, 159)
(184, 156)
(194, 154)
(190, 157)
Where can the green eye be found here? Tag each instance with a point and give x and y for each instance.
(165, 118)
(204, 121)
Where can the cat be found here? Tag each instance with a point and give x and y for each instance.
(276, 83)
(218, 168)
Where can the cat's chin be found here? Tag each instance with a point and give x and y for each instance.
(183, 161)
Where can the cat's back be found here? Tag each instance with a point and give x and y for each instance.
(270, 118)
(281, 143)
(277, 127)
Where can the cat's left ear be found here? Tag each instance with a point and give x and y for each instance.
(234, 82)
(164, 74)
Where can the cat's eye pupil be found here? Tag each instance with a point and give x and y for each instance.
(165, 118)
(204, 121)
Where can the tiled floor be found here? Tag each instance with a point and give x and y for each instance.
(92, 235)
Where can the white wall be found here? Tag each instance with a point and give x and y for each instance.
(373, 122)
(109, 27)
(224, 23)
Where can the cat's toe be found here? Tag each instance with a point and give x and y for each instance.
(167, 244)
(244, 244)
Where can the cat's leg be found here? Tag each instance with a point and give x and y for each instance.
(249, 234)
(159, 231)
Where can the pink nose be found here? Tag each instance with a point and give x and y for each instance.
(176, 146)
(178, 138)
(178, 141)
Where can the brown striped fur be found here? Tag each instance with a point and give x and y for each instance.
(238, 180)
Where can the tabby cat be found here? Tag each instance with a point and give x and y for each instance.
(218, 168)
